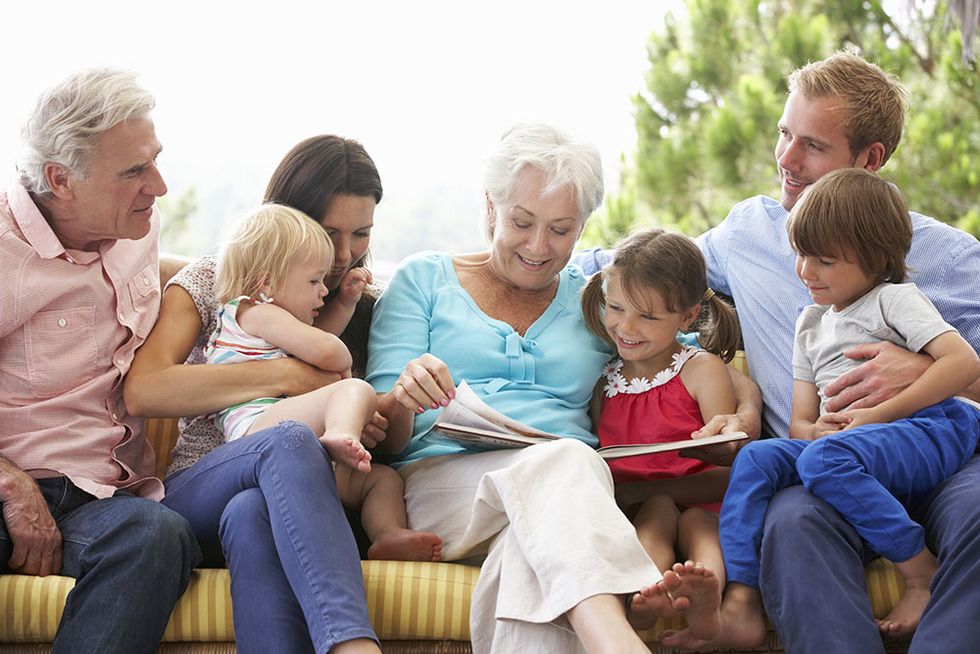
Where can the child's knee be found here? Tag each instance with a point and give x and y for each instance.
(813, 466)
(697, 518)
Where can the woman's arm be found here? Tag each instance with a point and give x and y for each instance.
(425, 384)
(159, 384)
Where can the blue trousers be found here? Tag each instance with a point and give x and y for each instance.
(813, 556)
(131, 559)
(870, 475)
(267, 504)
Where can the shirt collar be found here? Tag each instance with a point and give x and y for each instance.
(38, 232)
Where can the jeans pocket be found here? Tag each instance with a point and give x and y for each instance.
(62, 496)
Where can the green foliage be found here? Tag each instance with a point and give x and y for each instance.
(177, 235)
(706, 120)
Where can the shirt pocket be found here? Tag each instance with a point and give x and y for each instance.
(144, 293)
(61, 350)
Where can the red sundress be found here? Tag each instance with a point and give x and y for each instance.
(645, 411)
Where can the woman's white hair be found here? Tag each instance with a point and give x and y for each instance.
(69, 118)
(565, 163)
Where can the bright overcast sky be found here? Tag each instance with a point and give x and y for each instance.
(428, 86)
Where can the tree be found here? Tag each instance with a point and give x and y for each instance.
(706, 121)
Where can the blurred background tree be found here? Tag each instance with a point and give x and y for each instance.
(715, 88)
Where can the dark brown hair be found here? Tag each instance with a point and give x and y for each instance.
(307, 178)
(671, 264)
(854, 215)
(319, 168)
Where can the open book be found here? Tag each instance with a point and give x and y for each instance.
(470, 422)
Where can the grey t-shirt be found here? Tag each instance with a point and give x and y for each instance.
(897, 313)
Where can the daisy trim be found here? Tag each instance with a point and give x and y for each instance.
(616, 383)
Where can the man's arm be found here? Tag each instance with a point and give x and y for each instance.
(747, 418)
(33, 532)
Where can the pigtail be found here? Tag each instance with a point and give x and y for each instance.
(719, 332)
(593, 299)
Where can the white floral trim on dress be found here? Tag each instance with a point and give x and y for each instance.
(616, 383)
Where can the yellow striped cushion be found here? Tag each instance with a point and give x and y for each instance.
(203, 614)
(405, 600)
(419, 600)
(885, 586)
(30, 607)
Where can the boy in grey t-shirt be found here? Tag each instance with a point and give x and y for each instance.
(851, 231)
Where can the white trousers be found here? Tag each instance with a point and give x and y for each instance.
(546, 522)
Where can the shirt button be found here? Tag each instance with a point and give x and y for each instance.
(62, 322)
(120, 362)
(146, 282)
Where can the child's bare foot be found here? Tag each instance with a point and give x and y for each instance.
(702, 590)
(344, 448)
(654, 602)
(917, 572)
(399, 544)
(904, 618)
(739, 625)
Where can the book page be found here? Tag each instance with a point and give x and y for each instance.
(621, 451)
(471, 422)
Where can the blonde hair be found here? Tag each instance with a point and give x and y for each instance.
(855, 215)
(671, 264)
(872, 100)
(264, 246)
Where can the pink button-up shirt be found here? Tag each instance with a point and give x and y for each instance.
(70, 322)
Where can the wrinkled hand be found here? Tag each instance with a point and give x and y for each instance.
(722, 454)
(33, 532)
(889, 369)
(353, 284)
(375, 431)
(424, 384)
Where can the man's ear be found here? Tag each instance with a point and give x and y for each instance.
(875, 157)
(59, 180)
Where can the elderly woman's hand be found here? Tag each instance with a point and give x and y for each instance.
(375, 431)
(425, 384)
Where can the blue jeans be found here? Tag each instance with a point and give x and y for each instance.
(813, 560)
(268, 505)
(131, 559)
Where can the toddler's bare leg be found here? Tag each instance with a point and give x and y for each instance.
(380, 497)
(917, 573)
(338, 412)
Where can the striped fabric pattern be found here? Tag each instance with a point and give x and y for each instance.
(406, 601)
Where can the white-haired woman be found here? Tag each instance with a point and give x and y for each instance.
(560, 559)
